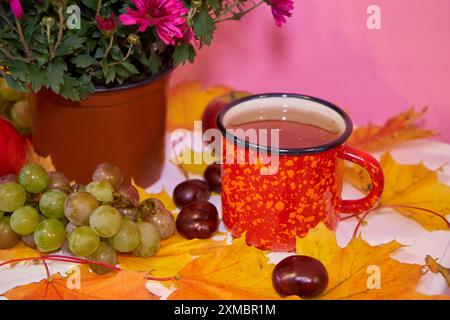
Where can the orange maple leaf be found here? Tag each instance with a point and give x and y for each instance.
(231, 272)
(187, 101)
(122, 285)
(19, 251)
(401, 128)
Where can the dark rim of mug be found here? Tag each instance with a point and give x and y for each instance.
(287, 151)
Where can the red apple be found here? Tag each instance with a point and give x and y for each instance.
(13, 148)
(213, 108)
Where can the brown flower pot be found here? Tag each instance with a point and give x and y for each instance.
(124, 125)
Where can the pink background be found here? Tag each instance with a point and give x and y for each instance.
(326, 50)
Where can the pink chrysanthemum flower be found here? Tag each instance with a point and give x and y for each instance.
(167, 16)
(16, 7)
(107, 26)
(280, 10)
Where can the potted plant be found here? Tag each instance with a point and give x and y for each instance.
(97, 72)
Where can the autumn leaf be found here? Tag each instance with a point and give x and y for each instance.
(122, 285)
(350, 268)
(19, 251)
(231, 272)
(192, 162)
(187, 101)
(33, 157)
(163, 196)
(413, 190)
(435, 267)
(401, 128)
(175, 253)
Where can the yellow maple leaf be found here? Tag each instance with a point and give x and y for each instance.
(400, 128)
(33, 157)
(175, 253)
(122, 285)
(187, 101)
(352, 270)
(163, 196)
(413, 190)
(192, 162)
(231, 272)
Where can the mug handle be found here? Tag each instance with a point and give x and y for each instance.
(372, 166)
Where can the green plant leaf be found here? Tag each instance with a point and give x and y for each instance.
(83, 61)
(154, 63)
(184, 52)
(69, 45)
(36, 77)
(55, 74)
(204, 27)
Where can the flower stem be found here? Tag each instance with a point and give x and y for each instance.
(108, 49)
(22, 39)
(240, 14)
(60, 31)
(129, 53)
(99, 7)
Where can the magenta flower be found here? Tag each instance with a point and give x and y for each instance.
(188, 33)
(16, 7)
(167, 16)
(280, 10)
(107, 26)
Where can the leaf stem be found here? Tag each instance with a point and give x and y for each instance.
(401, 206)
(61, 258)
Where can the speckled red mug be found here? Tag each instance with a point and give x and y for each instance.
(305, 189)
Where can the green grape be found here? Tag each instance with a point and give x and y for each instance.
(83, 241)
(150, 241)
(49, 235)
(33, 178)
(128, 237)
(105, 254)
(24, 220)
(58, 180)
(102, 190)
(28, 240)
(12, 196)
(69, 228)
(105, 221)
(20, 113)
(8, 238)
(78, 207)
(51, 203)
(109, 173)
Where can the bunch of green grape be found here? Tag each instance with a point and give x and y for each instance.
(45, 211)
